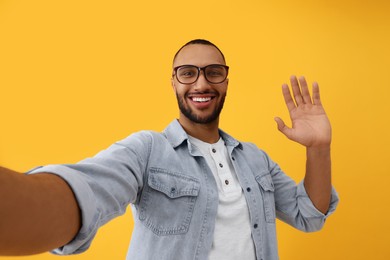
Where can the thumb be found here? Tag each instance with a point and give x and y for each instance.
(282, 126)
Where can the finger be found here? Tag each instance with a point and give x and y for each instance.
(282, 127)
(316, 94)
(305, 90)
(296, 90)
(287, 97)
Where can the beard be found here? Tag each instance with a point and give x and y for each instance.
(187, 112)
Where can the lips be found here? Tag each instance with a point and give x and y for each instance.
(201, 97)
(201, 101)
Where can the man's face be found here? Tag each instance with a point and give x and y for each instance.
(200, 102)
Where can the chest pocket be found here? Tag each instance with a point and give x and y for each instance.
(167, 202)
(267, 190)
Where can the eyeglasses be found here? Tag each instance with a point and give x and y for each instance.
(213, 73)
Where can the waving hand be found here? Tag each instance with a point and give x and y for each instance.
(310, 124)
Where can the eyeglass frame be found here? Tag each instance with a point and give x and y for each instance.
(199, 70)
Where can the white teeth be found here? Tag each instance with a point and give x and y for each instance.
(201, 99)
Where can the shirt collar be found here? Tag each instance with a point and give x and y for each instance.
(176, 135)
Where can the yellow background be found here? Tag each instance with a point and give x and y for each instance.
(75, 76)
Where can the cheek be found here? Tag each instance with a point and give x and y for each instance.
(223, 91)
(180, 90)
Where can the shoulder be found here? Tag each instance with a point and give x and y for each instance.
(141, 138)
(251, 147)
(254, 153)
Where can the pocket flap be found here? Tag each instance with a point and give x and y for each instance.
(173, 185)
(265, 182)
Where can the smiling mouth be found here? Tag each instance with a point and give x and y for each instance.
(201, 99)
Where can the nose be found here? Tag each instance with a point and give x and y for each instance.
(201, 84)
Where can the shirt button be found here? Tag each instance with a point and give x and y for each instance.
(220, 165)
(226, 182)
(248, 189)
(213, 150)
(255, 225)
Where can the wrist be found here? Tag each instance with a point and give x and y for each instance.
(322, 150)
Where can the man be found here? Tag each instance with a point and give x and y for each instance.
(196, 192)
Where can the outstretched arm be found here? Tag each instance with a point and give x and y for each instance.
(311, 128)
(37, 213)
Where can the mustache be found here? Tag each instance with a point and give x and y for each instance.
(202, 93)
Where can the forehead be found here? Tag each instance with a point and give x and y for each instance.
(199, 55)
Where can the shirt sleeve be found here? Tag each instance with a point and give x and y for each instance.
(293, 204)
(103, 185)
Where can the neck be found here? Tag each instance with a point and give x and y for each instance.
(206, 132)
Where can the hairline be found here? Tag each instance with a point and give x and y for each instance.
(199, 42)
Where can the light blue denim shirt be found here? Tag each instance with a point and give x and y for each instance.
(174, 195)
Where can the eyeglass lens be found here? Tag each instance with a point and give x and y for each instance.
(188, 74)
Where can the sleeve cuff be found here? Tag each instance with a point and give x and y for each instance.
(87, 204)
(307, 207)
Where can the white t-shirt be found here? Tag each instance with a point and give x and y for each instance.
(232, 234)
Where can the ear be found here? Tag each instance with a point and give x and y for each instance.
(173, 84)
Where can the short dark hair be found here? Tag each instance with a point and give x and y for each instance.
(199, 41)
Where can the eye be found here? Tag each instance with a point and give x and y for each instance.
(187, 72)
(215, 71)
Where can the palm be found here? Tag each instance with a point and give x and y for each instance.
(310, 124)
